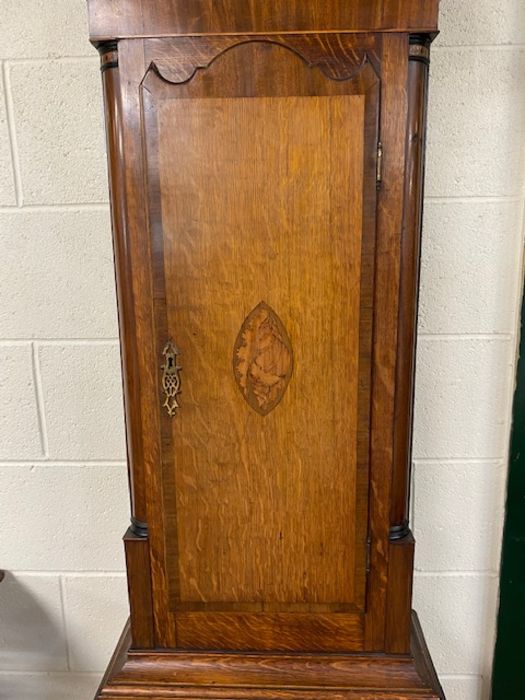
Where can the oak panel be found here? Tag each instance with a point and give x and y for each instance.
(264, 206)
(272, 169)
(340, 632)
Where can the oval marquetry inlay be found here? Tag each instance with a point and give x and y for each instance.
(263, 359)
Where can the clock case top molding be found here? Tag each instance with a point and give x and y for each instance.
(184, 83)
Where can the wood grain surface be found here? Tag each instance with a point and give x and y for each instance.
(140, 593)
(409, 285)
(126, 18)
(394, 67)
(240, 676)
(276, 209)
(263, 359)
(136, 252)
(250, 232)
(272, 210)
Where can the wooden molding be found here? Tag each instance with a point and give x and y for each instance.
(226, 676)
(144, 18)
(177, 60)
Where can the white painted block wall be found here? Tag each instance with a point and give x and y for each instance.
(63, 489)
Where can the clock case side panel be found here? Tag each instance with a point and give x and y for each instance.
(402, 542)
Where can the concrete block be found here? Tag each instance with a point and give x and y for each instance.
(96, 610)
(19, 425)
(458, 516)
(59, 127)
(465, 688)
(458, 615)
(481, 22)
(49, 686)
(7, 182)
(32, 634)
(66, 518)
(31, 29)
(82, 391)
(469, 275)
(476, 123)
(58, 279)
(462, 398)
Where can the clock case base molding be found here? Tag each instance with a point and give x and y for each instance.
(162, 675)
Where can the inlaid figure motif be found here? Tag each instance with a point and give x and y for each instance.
(263, 359)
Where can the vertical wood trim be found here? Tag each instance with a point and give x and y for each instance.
(136, 547)
(409, 282)
(160, 335)
(140, 593)
(123, 273)
(133, 69)
(390, 221)
(399, 600)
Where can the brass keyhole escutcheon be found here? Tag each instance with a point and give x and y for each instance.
(171, 382)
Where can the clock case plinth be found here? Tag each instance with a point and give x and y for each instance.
(160, 675)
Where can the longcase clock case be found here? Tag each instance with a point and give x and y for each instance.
(266, 166)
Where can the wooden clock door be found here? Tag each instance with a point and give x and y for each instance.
(261, 162)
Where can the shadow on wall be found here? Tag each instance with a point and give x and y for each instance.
(33, 650)
(32, 634)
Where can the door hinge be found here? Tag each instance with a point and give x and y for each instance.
(379, 164)
(368, 553)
